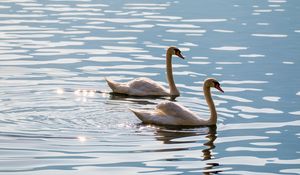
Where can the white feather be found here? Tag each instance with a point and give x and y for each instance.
(169, 113)
(138, 87)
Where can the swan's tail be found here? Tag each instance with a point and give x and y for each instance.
(140, 114)
(112, 84)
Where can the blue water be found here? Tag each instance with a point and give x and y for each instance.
(57, 117)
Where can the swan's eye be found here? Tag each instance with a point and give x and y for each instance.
(216, 84)
(177, 51)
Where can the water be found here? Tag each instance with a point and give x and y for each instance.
(55, 55)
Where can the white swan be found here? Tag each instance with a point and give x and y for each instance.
(171, 113)
(147, 87)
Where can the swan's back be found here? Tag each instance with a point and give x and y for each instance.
(145, 86)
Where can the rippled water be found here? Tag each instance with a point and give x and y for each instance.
(56, 116)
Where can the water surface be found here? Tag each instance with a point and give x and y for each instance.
(56, 116)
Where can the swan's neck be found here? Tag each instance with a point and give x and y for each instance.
(173, 89)
(213, 113)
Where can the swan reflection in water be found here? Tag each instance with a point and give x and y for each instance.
(171, 135)
(149, 100)
(137, 100)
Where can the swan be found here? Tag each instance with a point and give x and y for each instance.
(172, 113)
(147, 87)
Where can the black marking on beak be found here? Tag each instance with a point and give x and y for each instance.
(178, 53)
(218, 86)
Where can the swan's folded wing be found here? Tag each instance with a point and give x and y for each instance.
(177, 114)
(146, 86)
(174, 109)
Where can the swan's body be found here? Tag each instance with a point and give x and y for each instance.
(147, 87)
(139, 87)
(171, 113)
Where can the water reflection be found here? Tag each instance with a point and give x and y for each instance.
(175, 135)
(138, 100)
(170, 135)
(211, 136)
(81, 138)
(55, 53)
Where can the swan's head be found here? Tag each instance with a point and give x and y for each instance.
(175, 51)
(211, 82)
